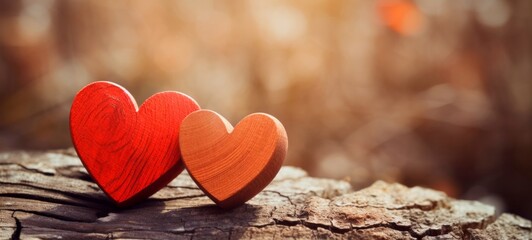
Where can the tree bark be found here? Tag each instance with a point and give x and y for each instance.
(50, 195)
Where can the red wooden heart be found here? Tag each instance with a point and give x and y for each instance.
(232, 166)
(131, 153)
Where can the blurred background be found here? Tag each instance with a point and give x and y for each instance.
(429, 92)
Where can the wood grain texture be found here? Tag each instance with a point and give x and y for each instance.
(49, 195)
(232, 165)
(130, 152)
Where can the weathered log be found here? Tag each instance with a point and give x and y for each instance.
(49, 195)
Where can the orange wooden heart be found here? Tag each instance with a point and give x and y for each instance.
(130, 152)
(232, 166)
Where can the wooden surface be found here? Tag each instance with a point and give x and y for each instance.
(232, 165)
(131, 152)
(49, 195)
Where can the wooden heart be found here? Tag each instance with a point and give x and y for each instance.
(232, 166)
(131, 153)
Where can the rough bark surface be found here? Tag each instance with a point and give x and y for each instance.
(49, 195)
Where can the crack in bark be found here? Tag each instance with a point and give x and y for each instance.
(6, 163)
(312, 226)
(68, 172)
(281, 195)
(433, 206)
(51, 215)
(29, 169)
(52, 200)
(69, 194)
(192, 231)
(18, 230)
(483, 224)
(524, 228)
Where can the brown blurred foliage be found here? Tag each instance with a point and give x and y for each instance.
(433, 93)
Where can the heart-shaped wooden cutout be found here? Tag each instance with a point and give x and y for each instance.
(232, 166)
(131, 153)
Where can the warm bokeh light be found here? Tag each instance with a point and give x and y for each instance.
(422, 92)
(402, 16)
